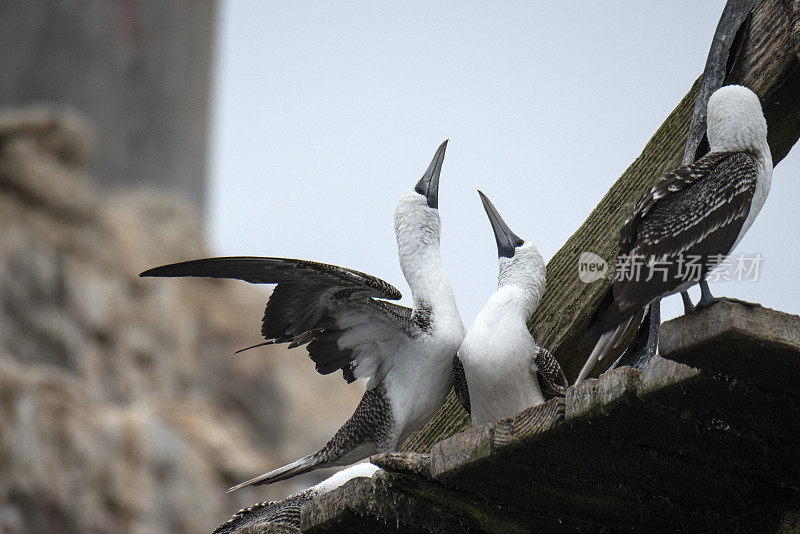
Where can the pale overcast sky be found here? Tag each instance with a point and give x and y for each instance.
(325, 112)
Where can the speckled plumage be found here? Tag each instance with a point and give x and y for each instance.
(372, 423)
(287, 511)
(345, 323)
(551, 377)
(370, 430)
(678, 180)
(284, 512)
(460, 386)
(697, 213)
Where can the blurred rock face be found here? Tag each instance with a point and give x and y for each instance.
(121, 407)
(138, 70)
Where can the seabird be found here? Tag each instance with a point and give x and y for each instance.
(502, 364)
(697, 213)
(287, 511)
(345, 321)
(725, 53)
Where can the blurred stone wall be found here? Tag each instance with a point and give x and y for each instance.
(122, 408)
(139, 70)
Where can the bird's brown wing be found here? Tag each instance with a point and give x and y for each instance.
(336, 312)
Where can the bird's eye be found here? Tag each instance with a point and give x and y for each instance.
(519, 243)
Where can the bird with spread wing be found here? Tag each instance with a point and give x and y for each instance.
(345, 320)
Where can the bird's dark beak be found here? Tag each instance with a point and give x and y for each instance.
(507, 240)
(428, 185)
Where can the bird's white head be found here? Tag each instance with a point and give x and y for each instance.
(417, 225)
(736, 120)
(522, 271)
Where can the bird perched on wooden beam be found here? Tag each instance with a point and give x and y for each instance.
(345, 321)
(689, 221)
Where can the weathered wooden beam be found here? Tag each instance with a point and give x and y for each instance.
(769, 64)
(731, 338)
(670, 446)
(706, 446)
(394, 501)
(721, 58)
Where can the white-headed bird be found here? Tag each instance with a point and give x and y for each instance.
(505, 369)
(344, 319)
(689, 221)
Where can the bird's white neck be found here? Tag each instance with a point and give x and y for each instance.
(418, 231)
(521, 281)
(749, 139)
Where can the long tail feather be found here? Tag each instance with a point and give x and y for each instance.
(256, 346)
(364, 434)
(298, 467)
(607, 342)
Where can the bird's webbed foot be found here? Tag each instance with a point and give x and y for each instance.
(707, 299)
(714, 300)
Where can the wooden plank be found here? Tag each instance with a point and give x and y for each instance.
(758, 346)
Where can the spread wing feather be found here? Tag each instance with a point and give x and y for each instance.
(336, 312)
